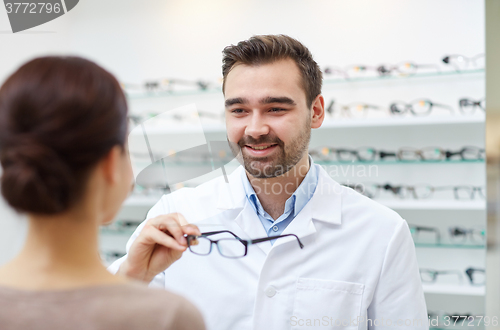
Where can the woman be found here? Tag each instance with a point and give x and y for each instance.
(63, 130)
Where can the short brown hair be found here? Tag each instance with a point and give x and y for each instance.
(263, 49)
(58, 117)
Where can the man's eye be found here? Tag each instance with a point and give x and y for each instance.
(277, 109)
(237, 111)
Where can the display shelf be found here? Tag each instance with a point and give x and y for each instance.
(467, 290)
(158, 94)
(328, 81)
(452, 246)
(398, 121)
(474, 205)
(442, 74)
(200, 163)
(389, 121)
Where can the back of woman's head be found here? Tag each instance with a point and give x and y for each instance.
(59, 116)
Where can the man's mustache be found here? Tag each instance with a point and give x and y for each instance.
(266, 140)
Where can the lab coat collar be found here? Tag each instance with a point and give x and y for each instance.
(232, 195)
(325, 204)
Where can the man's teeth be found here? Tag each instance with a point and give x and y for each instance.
(260, 148)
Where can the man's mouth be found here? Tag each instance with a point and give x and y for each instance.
(261, 147)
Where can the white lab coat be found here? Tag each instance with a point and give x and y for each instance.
(358, 261)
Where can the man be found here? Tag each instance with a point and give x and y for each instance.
(358, 259)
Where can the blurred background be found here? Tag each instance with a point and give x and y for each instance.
(404, 85)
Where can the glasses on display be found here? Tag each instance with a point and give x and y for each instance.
(431, 275)
(420, 233)
(420, 107)
(469, 106)
(410, 68)
(405, 154)
(362, 154)
(477, 276)
(335, 71)
(166, 85)
(438, 154)
(460, 235)
(461, 62)
(228, 247)
(419, 191)
(353, 110)
(404, 69)
(323, 153)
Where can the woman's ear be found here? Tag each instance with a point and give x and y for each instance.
(110, 165)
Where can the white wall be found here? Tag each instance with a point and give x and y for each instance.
(138, 40)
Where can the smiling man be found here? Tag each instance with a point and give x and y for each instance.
(355, 264)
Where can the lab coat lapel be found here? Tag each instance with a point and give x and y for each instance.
(233, 196)
(250, 224)
(324, 205)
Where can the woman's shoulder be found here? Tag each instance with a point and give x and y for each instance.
(136, 299)
(124, 306)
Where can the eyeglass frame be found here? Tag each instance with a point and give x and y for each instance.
(470, 271)
(408, 107)
(475, 104)
(466, 233)
(428, 229)
(435, 274)
(245, 242)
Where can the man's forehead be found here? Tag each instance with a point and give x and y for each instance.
(277, 79)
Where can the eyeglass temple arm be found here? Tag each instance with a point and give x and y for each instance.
(440, 105)
(209, 233)
(259, 240)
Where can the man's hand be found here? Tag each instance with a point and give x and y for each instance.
(160, 243)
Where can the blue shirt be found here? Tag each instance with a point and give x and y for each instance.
(293, 205)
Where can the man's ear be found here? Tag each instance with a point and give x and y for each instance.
(318, 111)
(110, 165)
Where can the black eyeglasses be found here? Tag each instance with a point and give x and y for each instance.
(459, 235)
(420, 107)
(229, 247)
(468, 106)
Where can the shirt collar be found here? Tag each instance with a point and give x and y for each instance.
(299, 198)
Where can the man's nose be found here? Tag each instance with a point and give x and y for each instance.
(257, 126)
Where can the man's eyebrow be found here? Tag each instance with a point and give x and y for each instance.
(281, 99)
(237, 100)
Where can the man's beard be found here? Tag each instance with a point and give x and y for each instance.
(283, 159)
